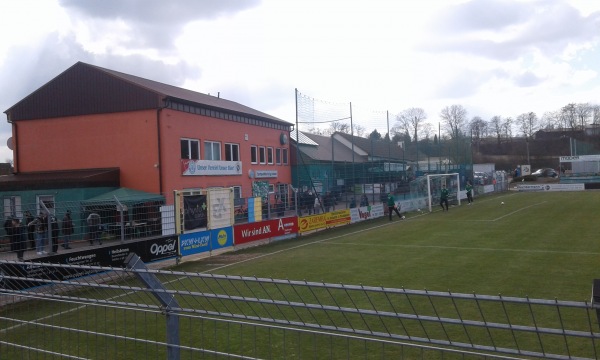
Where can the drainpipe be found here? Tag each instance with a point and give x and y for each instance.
(160, 178)
(15, 142)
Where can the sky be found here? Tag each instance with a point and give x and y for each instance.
(493, 57)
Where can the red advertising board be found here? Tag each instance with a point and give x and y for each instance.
(245, 233)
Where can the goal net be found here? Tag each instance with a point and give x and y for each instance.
(430, 186)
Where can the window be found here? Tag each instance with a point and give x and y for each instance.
(278, 156)
(253, 154)
(284, 156)
(270, 155)
(212, 150)
(190, 149)
(12, 207)
(237, 192)
(262, 155)
(232, 152)
(48, 201)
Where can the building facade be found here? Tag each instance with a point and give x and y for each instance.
(161, 138)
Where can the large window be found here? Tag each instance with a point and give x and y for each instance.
(270, 155)
(262, 154)
(284, 156)
(212, 150)
(237, 192)
(190, 149)
(12, 207)
(253, 154)
(232, 152)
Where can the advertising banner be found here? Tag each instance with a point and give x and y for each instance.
(245, 233)
(366, 213)
(221, 207)
(221, 238)
(113, 256)
(194, 243)
(210, 167)
(338, 217)
(551, 187)
(194, 212)
(322, 221)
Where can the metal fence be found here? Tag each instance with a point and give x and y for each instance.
(136, 312)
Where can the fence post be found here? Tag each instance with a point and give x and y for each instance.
(134, 262)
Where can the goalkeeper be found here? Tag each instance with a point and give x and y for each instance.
(444, 197)
(391, 203)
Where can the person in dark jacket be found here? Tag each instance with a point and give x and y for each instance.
(18, 238)
(55, 233)
(391, 203)
(28, 218)
(67, 229)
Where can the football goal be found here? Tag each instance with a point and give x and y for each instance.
(430, 187)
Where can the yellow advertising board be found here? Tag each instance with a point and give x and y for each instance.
(323, 221)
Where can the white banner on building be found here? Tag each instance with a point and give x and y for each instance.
(220, 208)
(210, 167)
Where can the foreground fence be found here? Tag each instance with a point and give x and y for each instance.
(136, 312)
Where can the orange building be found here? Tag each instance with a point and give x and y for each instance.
(161, 137)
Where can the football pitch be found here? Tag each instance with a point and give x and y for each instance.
(533, 244)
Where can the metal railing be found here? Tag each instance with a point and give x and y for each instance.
(138, 312)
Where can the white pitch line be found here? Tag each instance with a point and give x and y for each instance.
(470, 248)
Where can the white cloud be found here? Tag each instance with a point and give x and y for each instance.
(494, 57)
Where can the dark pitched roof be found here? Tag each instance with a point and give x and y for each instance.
(375, 148)
(88, 89)
(62, 179)
(325, 148)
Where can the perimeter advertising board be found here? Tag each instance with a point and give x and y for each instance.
(323, 221)
(366, 213)
(245, 233)
(148, 250)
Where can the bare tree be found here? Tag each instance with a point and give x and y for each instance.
(317, 131)
(426, 130)
(569, 116)
(507, 125)
(454, 118)
(550, 120)
(359, 130)
(583, 112)
(528, 123)
(595, 114)
(411, 119)
(478, 128)
(495, 127)
(337, 126)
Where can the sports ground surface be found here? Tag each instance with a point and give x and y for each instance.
(538, 244)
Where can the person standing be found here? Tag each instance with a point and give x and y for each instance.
(444, 197)
(18, 238)
(317, 204)
(30, 229)
(391, 203)
(469, 188)
(67, 229)
(93, 221)
(55, 233)
(41, 233)
(364, 200)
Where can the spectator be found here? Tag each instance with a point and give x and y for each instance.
(364, 200)
(93, 221)
(40, 223)
(67, 229)
(28, 218)
(18, 238)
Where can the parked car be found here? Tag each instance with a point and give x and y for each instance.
(479, 178)
(545, 172)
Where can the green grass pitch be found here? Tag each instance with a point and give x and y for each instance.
(541, 245)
